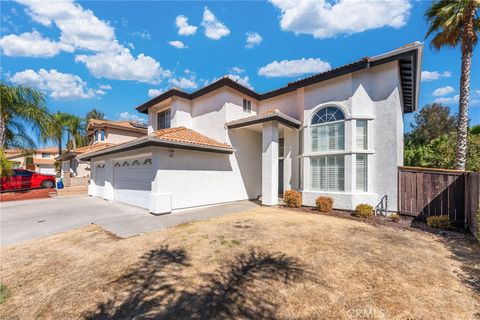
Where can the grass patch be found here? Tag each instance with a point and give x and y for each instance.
(4, 293)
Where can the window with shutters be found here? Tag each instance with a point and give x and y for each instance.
(361, 173)
(328, 173)
(328, 130)
(163, 119)
(361, 141)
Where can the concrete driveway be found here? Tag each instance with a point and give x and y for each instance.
(29, 219)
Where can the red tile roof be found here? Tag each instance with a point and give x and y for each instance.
(92, 148)
(130, 125)
(185, 135)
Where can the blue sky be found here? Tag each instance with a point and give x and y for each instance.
(114, 55)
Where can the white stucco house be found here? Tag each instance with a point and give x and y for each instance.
(338, 133)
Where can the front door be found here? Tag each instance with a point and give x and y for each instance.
(280, 176)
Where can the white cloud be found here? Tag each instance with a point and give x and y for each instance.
(123, 66)
(455, 99)
(214, 29)
(244, 81)
(434, 75)
(31, 44)
(253, 40)
(325, 19)
(105, 87)
(82, 30)
(237, 70)
(294, 68)
(184, 83)
(59, 86)
(145, 35)
(79, 27)
(178, 44)
(184, 29)
(443, 91)
(154, 92)
(127, 116)
(448, 100)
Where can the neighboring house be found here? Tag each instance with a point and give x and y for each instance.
(338, 134)
(101, 134)
(39, 160)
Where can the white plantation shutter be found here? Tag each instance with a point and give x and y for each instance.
(315, 173)
(361, 172)
(314, 137)
(328, 137)
(361, 135)
(327, 173)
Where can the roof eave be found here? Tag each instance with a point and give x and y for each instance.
(284, 119)
(153, 141)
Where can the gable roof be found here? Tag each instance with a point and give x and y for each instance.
(127, 125)
(179, 138)
(268, 115)
(409, 57)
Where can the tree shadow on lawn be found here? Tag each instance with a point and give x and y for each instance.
(154, 289)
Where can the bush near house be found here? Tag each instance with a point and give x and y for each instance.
(324, 204)
(292, 199)
(363, 210)
(395, 217)
(439, 222)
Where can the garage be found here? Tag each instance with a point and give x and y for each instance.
(46, 170)
(99, 177)
(132, 180)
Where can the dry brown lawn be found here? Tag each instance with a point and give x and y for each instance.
(261, 264)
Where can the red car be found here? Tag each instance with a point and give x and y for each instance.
(25, 179)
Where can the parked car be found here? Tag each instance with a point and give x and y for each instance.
(25, 179)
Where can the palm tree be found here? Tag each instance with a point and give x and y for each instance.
(454, 23)
(95, 114)
(58, 128)
(20, 107)
(75, 131)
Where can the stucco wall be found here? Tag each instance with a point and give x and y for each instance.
(119, 136)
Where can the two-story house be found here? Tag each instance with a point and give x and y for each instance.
(101, 134)
(338, 133)
(40, 160)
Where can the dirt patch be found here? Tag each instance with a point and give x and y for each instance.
(26, 195)
(266, 263)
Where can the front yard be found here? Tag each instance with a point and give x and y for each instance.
(264, 263)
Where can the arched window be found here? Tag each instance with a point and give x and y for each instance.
(327, 133)
(328, 114)
(328, 128)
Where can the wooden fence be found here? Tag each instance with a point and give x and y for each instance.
(433, 192)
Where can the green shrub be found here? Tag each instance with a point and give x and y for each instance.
(395, 217)
(439, 222)
(324, 204)
(292, 199)
(364, 210)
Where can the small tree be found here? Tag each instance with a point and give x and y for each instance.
(433, 121)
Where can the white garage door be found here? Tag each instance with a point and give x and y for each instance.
(46, 170)
(99, 178)
(132, 180)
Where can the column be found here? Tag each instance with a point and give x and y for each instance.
(270, 163)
